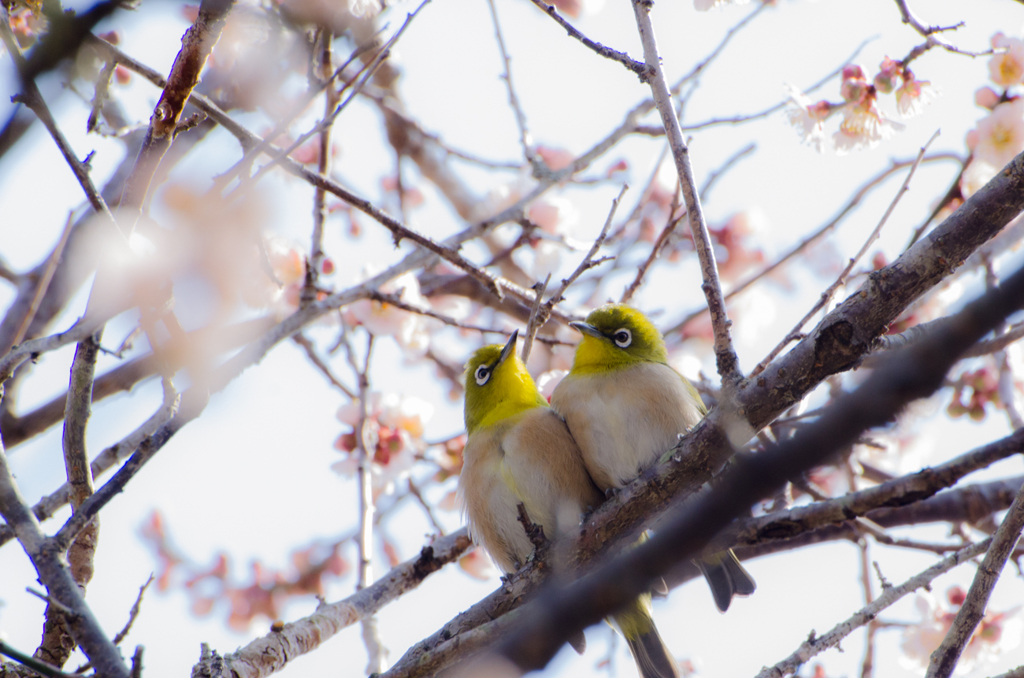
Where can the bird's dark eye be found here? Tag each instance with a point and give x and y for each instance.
(482, 374)
(622, 338)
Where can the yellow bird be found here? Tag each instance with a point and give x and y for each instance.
(626, 407)
(520, 451)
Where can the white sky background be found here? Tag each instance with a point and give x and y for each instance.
(251, 476)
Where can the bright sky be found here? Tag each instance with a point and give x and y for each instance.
(251, 476)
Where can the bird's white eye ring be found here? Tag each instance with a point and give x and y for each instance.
(482, 374)
(622, 338)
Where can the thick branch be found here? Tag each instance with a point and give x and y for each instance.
(915, 373)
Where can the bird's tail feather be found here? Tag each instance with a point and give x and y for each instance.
(653, 659)
(726, 577)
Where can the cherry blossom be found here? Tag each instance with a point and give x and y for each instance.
(1001, 135)
(913, 95)
(1006, 68)
(997, 632)
(808, 118)
(394, 429)
(705, 5)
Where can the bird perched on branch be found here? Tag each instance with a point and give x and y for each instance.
(519, 451)
(626, 407)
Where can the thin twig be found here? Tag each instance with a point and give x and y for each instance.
(43, 283)
(133, 613)
(817, 644)
(928, 32)
(588, 261)
(33, 99)
(670, 226)
(316, 250)
(311, 353)
(827, 295)
(61, 586)
(525, 140)
(48, 505)
(533, 324)
(725, 354)
(606, 52)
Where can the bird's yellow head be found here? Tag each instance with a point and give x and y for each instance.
(616, 336)
(498, 386)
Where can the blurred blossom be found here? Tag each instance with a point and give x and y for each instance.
(1001, 134)
(502, 197)
(382, 319)
(455, 307)
(574, 8)
(553, 215)
(547, 256)
(411, 196)
(1006, 68)
(394, 430)
(449, 502)
(976, 175)
(555, 158)
(973, 390)
(477, 564)
(547, 382)
(339, 15)
(736, 240)
(808, 118)
(913, 95)
(863, 126)
(889, 74)
(686, 364)
(997, 633)
(705, 5)
(986, 97)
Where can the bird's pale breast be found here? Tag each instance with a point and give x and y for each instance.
(624, 420)
(529, 459)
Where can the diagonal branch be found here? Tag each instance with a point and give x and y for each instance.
(945, 658)
(725, 354)
(818, 644)
(914, 373)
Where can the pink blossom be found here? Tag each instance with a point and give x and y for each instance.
(1001, 134)
(997, 633)
(555, 158)
(808, 118)
(888, 73)
(477, 565)
(863, 126)
(976, 175)
(383, 319)
(913, 95)
(547, 382)
(986, 97)
(705, 5)
(1007, 67)
(553, 214)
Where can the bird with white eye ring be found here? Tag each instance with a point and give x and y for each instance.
(626, 407)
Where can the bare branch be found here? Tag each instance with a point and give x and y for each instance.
(826, 296)
(816, 645)
(606, 52)
(945, 658)
(525, 140)
(272, 652)
(725, 354)
(58, 580)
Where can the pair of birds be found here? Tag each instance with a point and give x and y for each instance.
(619, 409)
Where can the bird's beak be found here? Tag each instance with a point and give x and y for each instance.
(510, 347)
(586, 328)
